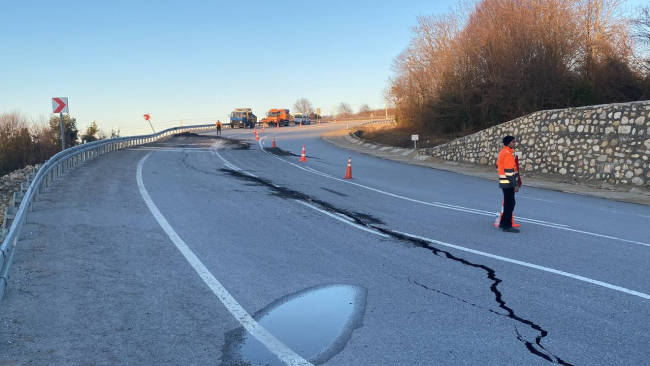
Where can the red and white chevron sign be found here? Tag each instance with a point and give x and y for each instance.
(60, 105)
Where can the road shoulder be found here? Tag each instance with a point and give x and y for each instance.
(346, 140)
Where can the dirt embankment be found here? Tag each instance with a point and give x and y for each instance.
(400, 136)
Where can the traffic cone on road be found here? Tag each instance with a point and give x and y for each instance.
(303, 157)
(497, 221)
(257, 137)
(274, 142)
(348, 171)
(262, 128)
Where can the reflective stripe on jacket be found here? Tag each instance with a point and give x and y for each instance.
(507, 166)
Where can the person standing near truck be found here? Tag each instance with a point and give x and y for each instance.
(508, 182)
(218, 127)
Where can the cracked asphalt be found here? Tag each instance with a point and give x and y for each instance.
(97, 281)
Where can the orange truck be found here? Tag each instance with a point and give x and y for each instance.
(277, 116)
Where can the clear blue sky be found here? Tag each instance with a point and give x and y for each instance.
(197, 60)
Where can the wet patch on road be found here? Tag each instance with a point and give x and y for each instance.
(536, 348)
(315, 323)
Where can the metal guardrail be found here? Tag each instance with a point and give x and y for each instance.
(54, 168)
(380, 122)
(357, 119)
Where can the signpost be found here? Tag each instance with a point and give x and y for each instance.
(147, 117)
(318, 114)
(415, 139)
(60, 106)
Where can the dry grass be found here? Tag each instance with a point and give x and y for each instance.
(400, 136)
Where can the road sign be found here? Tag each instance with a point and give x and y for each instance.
(60, 105)
(415, 139)
(146, 117)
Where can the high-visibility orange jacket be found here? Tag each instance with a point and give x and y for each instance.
(507, 166)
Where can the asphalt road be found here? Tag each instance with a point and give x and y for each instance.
(174, 252)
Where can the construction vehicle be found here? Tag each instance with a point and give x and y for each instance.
(277, 116)
(242, 117)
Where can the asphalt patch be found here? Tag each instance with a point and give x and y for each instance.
(191, 134)
(279, 152)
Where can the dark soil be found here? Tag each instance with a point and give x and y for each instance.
(400, 136)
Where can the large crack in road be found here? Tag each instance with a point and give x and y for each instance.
(536, 348)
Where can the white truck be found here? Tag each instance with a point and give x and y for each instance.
(299, 118)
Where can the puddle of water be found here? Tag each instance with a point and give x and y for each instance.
(316, 324)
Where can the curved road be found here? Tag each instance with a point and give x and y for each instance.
(179, 252)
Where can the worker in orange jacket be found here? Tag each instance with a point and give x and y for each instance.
(508, 182)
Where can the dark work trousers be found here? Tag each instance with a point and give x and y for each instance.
(508, 207)
(218, 130)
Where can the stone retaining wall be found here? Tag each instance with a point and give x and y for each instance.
(610, 143)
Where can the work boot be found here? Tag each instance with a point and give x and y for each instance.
(511, 230)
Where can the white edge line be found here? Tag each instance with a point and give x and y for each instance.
(274, 345)
(535, 266)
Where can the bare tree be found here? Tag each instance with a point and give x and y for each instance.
(365, 108)
(641, 33)
(344, 110)
(493, 60)
(304, 106)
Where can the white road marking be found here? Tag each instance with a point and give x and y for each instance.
(274, 345)
(530, 265)
(457, 208)
(493, 256)
(461, 248)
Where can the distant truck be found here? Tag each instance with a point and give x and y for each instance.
(277, 116)
(300, 118)
(242, 117)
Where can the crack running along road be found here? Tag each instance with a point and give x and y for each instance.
(536, 348)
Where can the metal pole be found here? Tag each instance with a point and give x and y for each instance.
(62, 132)
(154, 131)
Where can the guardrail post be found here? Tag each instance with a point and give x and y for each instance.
(37, 191)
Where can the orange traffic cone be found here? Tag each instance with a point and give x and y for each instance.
(348, 171)
(303, 157)
(257, 136)
(262, 128)
(497, 221)
(274, 142)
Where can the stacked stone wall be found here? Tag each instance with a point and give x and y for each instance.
(610, 143)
